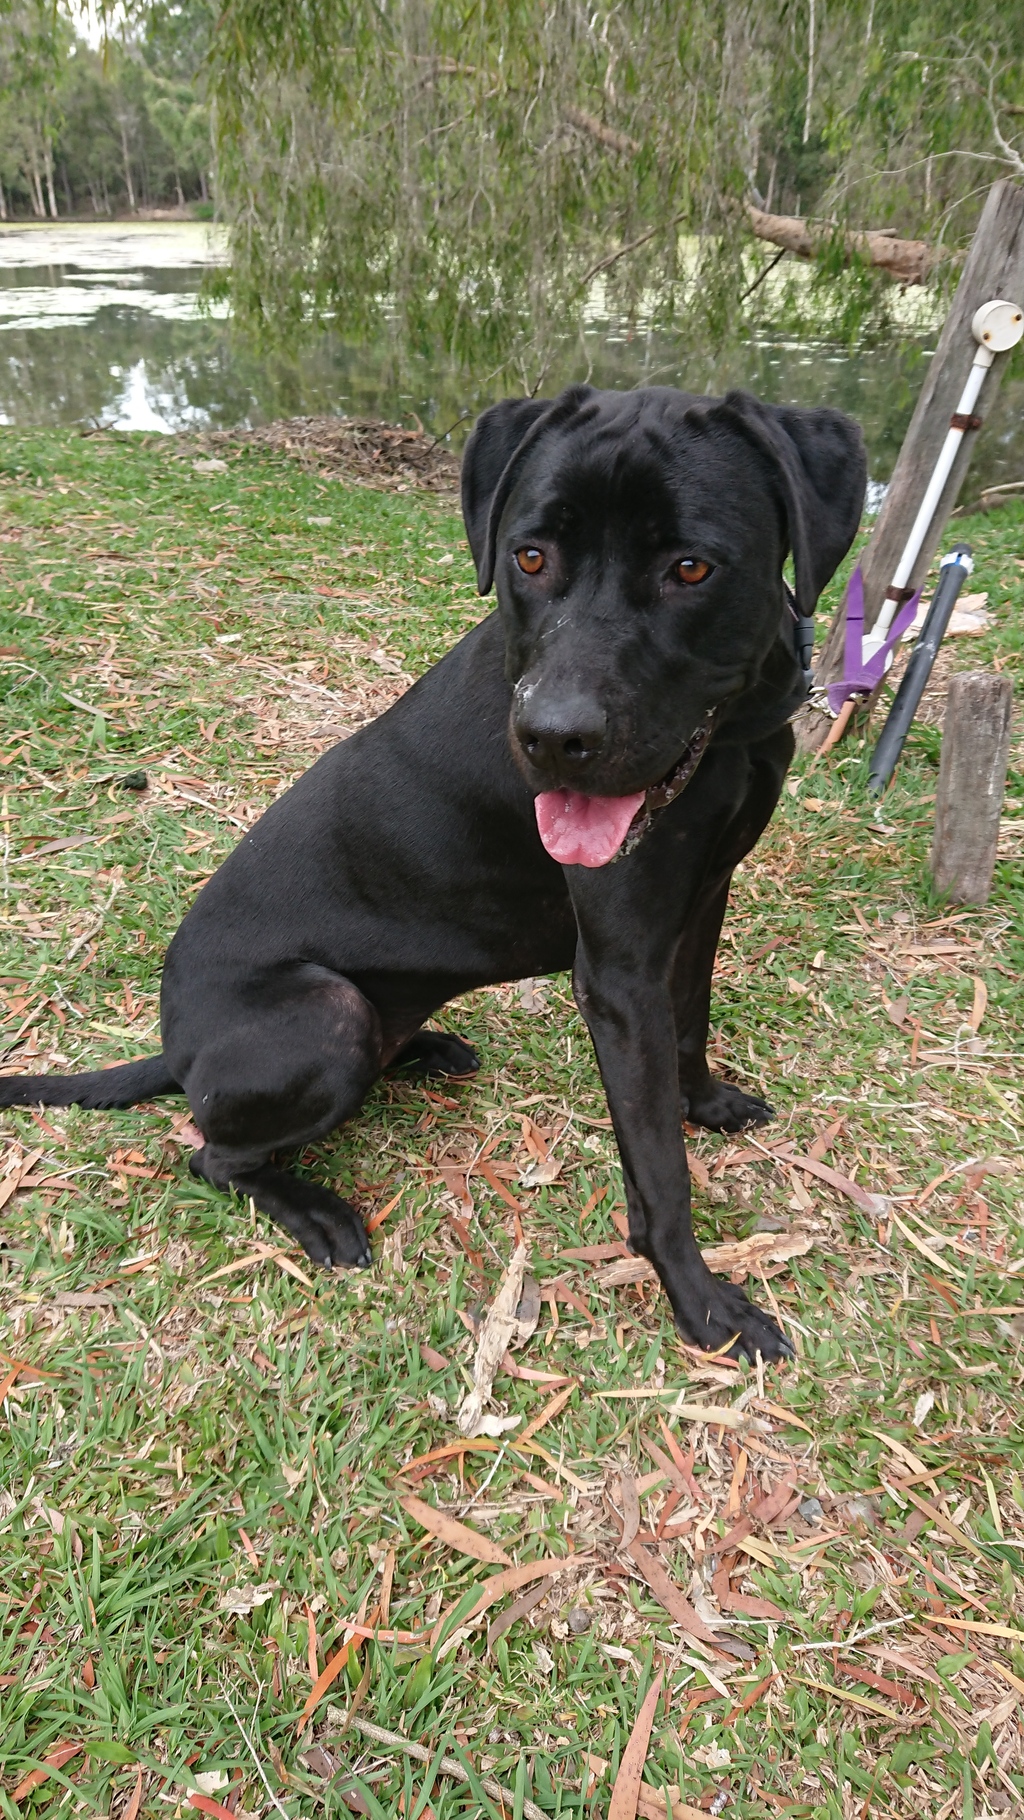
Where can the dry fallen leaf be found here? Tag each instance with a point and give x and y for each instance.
(131, 1812)
(653, 1803)
(55, 1758)
(499, 1584)
(495, 1426)
(211, 1781)
(626, 1793)
(495, 1335)
(241, 1600)
(540, 1175)
(922, 1408)
(527, 1313)
(531, 996)
(630, 1507)
(453, 1533)
(668, 1593)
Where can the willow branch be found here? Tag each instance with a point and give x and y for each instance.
(605, 135)
(621, 252)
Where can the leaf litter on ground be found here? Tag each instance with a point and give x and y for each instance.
(192, 1439)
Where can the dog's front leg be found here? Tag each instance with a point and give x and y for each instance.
(628, 1008)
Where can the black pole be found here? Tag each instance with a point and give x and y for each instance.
(954, 572)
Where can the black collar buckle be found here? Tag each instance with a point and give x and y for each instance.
(803, 636)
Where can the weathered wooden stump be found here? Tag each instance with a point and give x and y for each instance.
(972, 779)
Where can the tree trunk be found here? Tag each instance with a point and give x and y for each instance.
(3, 203)
(128, 184)
(906, 261)
(35, 187)
(48, 167)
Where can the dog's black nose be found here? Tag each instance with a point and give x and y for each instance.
(556, 732)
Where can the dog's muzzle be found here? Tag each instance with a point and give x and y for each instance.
(581, 830)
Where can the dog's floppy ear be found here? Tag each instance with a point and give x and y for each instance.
(502, 435)
(819, 460)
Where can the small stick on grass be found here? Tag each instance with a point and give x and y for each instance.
(448, 1766)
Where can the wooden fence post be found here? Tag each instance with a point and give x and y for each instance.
(972, 778)
(994, 268)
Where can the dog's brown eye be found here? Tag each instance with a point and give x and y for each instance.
(690, 570)
(530, 560)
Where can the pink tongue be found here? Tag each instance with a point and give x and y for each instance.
(584, 830)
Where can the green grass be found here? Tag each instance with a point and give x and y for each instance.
(209, 629)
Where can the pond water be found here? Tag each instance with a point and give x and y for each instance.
(102, 325)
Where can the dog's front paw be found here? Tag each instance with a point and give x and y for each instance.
(722, 1313)
(721, 1106)
(332, 1234)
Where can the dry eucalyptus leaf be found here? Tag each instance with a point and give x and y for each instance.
(540, 1175)
(527, 1313)
(241, 1600)
(630, 1503)
(923, 1407)
(210, 1781)
(531, 996)
(495, 1426)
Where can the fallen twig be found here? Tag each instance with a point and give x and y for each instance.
(448, 1766)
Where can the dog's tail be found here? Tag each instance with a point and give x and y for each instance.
(102, 1091)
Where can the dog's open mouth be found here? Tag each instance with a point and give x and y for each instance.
(579, 830)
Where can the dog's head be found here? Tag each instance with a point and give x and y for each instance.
(636, 541)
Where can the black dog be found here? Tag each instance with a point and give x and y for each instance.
(643, 630)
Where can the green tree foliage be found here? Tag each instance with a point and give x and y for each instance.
(33, 48)
(471, 170)
(98, 134)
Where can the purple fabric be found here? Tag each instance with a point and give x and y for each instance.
(861, 675)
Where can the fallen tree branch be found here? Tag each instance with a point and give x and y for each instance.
(905, 261)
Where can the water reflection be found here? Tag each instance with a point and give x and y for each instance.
(103, 327)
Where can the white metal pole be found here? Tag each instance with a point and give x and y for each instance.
(996, 327)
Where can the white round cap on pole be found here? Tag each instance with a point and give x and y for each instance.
(998, 325)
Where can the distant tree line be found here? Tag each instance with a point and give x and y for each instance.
(102, 132)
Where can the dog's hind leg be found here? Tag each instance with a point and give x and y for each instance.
(435, 1052)
(717, 1105)
(285, 1074)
